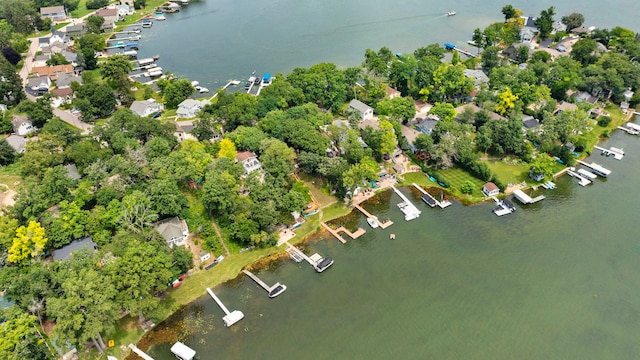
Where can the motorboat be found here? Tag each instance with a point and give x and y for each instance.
(372, 222)
(451, 13)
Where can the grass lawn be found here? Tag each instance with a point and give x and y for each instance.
(334, 211)
(457, 177)
(9, 175)
(81, 10)
(319, 188)
(508, 172)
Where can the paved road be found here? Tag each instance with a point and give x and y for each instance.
(71, 119)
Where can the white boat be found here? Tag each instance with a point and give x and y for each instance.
(451, 13)
(277, 290)
(372, 222)
(195, 83)
(201, 89)
(182, 351)
(159, 17)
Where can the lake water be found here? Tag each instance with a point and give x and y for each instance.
(214, 41)
(555, 280)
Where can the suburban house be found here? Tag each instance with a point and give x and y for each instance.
(66, 251)
(536, 176)
(422, 106)
(124, 10)
(146, 108)
(372, 123)
(478, 76)
(17, 142)
(564, 106)
(409, 135)
(529, 122)
(65, 80)
(365, 111)
(174, 231)
(249, 161)
(52, 71)
(584, 96)
(427, 125)
(475, 109)
(55, 13)
(526, 35)
(512, 51)
(183, 131)
(490, 189)
(75, 31)
(392, 93)
(109, 15)
(22, 125)
(190, 108)
(40, 60)
(39, 84)
(61, 96)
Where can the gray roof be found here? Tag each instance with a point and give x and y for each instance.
(359, 105)
(74, 28)
(17, 142)
(65, 80)
(478, 75)
(170, 228)
(72, 172)
(530, 122)
(16, 120)
(79, 244)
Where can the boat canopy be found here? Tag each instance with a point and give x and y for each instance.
(182, 351)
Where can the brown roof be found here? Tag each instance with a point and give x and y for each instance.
(51, 9)
(491, 186)
(392, 92)
(52, 70)
(62, 92)
(107, 12)
(245, 155)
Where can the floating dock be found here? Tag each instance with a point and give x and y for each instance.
(273, 291)
(383, 225)
(526, 199)
(504, 207)
(139, 352)
(629, 130)
(618, 154)
(230, 318)
(430, 200)
(409, 210)
(582, 181)
(319, 264)
(337, 231)
(587, 174)
(633, 126)
(596, 169)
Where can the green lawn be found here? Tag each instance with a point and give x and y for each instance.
(456, 177)
(9, 175)
(81, 10)
(319, 188)
(510, 172)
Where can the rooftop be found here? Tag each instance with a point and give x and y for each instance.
(79, 244)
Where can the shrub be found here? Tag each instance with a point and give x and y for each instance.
(604, 121)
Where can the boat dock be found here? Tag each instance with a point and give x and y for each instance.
(230, 318)
(273, 291)
(449, 46)
(133, 31)
(430, 200)
(383, 225)
(582, 181)
(629, 130)
(316, 260)
(337, 231)
(587, 174)
(409, 210)
(232, 82)
(504, 207)
(618, 154)
(139, 352)
(596, 169)
(130, 38)
(633, 126)
(526, 199)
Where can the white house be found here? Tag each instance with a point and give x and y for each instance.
(22, 125)
(174, 231)
(146, 108)
(124, 10)
(39, 84)
(190, 108)
(366, 111)
(55, 13)
(249, 161)
(490, 189)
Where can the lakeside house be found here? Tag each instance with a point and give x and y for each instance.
(478, 76)
(75, 31)
(174, 231)
(22, 125)
(422, 107)
(189, 108)
(249, 161)
(147, 108)
(365, 111)
(109, 15)
(55, 13)
(490, 189)
(17, 142)
(65, 252)
(53, 71)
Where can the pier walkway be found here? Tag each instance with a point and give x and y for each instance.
(409, 210)
(230, 318)
(526, 199)
(596, 169)
(629, 130)
(383, 225)
(337, 231)
(319, 263)
(232, 82)
(139, 352)
(271, 290)
(430, 199)
(618, 154)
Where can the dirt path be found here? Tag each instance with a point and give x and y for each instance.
(217, 230)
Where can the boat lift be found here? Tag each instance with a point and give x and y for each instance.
(231, 317)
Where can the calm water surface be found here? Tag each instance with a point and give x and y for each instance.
(555, 280)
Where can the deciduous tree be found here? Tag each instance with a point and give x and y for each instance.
(29, 242)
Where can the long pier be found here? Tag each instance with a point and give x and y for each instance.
(440, 204)
(618, 154)
(232, 82)
(629, 130)
(526, 199)
(319, 263)
(409, 210)
(583, 181)
(596, 169)
(299, 253)
(139, 352)
(273, 291)
(383, 225)
(230, 318)
(337, 231)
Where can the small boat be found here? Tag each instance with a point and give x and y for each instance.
(201, 89)
(182, 351)
(159, 17)
(257, 80)
(372, 222)
(277, 290)
(451, 13)
(156, 57)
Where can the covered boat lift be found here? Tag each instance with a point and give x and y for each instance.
(182, 351)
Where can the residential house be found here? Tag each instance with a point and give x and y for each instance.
(58, 37)
(71, 57)
(490, 189)
(409, 135)
(39, 85)
(174, 231)
(475, 109)
(372, 123)
(529, 22)
(249, 161)
(427, 125)
(536, 176)
(564, 106)
(22, 125)
(422, 107)
(17, 142)
(365, 111)
(55, 13)
(72, 172)
(392, 93)
(189, 108)
(125, 10)
(109, 15)
(40, 60)
(478, 76)
(65, 80)
(557, 27)
(61, 96)
(66, 251)
(624, 106)
(75, 31)
(146, 108)
(529, 122)
(108, 27)
(584, 96)
(512, 51)
(526, 35)
(628, 94)
(183, 131)
(581, 31)
(52, 71)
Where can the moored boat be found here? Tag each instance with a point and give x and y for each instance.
(372, 222)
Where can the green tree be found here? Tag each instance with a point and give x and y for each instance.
(94, 101)
(277, 158)
(584, 51)
(39, 111)
(490, 58)
(220, 192)
(509, 12)
(137, 214)
(227, 149)
(177, 91)
(366, 169)
(247, 137)
(544, 22)
(93, 42)
(165, 197)
(29, 242)
(506, 101)
(17, 334)
(11, 92)
(573, 20)
(467, 187)
(400, 108)
(445, 111)
(94, 24)
(115, 66)
(7, 153)
(205, 127)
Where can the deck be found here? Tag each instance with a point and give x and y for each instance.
(409, 210)
(618, 154)
(629, 130)
(526, 199)
(268, 288)
(337, 232)
(382, 225)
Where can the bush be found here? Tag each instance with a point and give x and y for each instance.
(604, 121)
(96, 4)
(467, 187)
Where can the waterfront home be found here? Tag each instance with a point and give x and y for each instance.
(61, 96)
(392, 93)
(146, 108)
(490, 189)
(512, 51)
(365, 111)
(174, 231)
(39, 85)
(249, 161)
(65, 252)
(52, 71)
(564, 106)
(427, 125)
(124, 10)
(189, 108)
(17, 142)
(409, 135)
(536, 176)
(526, 35)
(478, 76)
(22, 125)
(55, 13)
(75, 31)
(65, 80)
(529, 22)
(109, 15)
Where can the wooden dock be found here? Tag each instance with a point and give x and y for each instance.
(139, 352)
(337, 232)
(383, 225)
(441, 204)
(268, 288)
(334, 233)
(232, 82)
